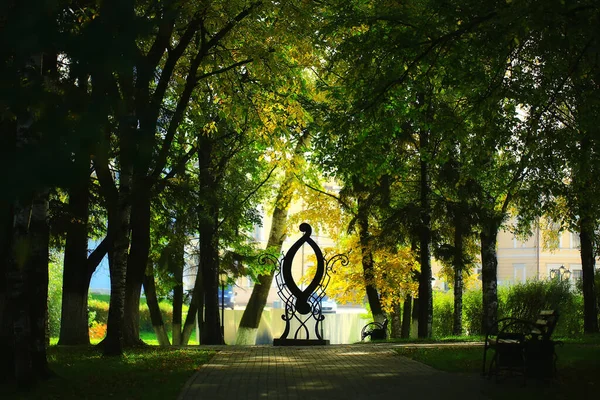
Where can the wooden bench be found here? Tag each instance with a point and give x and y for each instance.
(522, 346)
(375, 330)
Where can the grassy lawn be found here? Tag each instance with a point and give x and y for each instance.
(145, 373)
(578, 371)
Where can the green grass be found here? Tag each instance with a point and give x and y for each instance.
(143, 373)
(150, 338)
(147, 337)
(578, 371)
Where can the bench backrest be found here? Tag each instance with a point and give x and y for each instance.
(545, 324)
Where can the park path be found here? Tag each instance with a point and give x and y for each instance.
(345, 372)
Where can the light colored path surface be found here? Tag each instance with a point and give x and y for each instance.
(333, 372)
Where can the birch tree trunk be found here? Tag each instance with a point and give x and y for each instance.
(489, 273)
(113, 342)
(248, 329)
(155, 315)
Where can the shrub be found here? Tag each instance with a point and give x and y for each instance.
(526, 300)
(97, 330)
(443, 310)
(99, 309)
(472, 311)
(166, 309)
(54, 297)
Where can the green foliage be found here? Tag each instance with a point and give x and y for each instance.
(472, 312)
(54, 297)
(526, 300)
(166, 310)
(443, 311)
(99, 309)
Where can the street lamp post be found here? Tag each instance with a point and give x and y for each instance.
(561, 273)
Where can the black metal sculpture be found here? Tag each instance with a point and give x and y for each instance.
(302, 305)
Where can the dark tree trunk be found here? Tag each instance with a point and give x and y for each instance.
(209, 262)
(458, 261)
(583, 183)
(489, 270)
(396, 324)
(588, 262)
(197, 303)
(414, 331)
(248, 328)
(136, 263)
(37, 278)
(155, 315)
(6, 335)
(425, 291)
(406, 316)
(28, 289)
(177, 269)
(367, 262)
(76, 274)
(209, 243)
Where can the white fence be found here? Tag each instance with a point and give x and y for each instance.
(337, 328)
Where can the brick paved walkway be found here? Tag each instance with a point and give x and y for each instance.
(333, 372)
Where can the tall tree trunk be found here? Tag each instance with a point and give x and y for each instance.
(396, 321)
(425, 290)
(28, 289)
(458, 261)
(367, 262)
(6, 335)
(209, 243)
(155, 315)
(37, 278)
(120, 219)
(177, 302)
(489, 273)
(583, 182)
(209, 262)
(196, 307)
(76, 276)
(414, 328)
(406, 316)
(137, 262)
(588, 262)
(248, 329)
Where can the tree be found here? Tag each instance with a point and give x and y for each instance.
(250, 321)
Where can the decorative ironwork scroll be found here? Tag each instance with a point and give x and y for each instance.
(303, 305)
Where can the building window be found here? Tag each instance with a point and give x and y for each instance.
(514, 243)
(256, 235)
(575, 241)
(519, 273)
(576, 273)
(478, 273)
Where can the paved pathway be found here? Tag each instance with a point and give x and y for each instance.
(333, 372)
